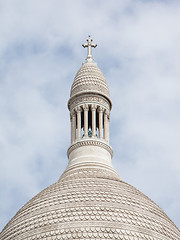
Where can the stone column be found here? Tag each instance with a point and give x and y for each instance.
(93, 109)
(108, 120)
(73, 126)
(100, 110)
(86, 108)
(79, 122)
(106, 126)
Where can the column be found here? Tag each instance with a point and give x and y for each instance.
(93, 109)
(86, 108)
(73, 126)
(79, 122)
(108, 120)
(106, 126)
(100, 122)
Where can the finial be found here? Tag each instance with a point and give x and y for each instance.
(89, 45)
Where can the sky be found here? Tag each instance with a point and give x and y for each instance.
(40, 53)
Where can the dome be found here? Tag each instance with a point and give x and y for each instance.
(90, 201)
(89, 79)
(90, 204)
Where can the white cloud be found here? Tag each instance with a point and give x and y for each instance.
(40, 52)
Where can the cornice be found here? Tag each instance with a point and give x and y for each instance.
(90, 142)
(90, 99)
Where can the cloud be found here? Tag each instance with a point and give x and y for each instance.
(40, 53)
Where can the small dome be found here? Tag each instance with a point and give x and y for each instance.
(89, 79)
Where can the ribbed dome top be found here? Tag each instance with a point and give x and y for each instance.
(89, 79)
(90, 204)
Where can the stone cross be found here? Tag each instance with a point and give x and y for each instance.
(89, 45)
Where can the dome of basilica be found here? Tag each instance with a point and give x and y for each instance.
(90, 201)
(90, 204)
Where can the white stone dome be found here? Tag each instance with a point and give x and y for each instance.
(89, 79)
(90, 203)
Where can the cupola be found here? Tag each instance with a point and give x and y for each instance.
(90, 107)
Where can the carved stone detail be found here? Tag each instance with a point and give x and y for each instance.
(100, 109)
(90, 204)
(86, 107)
(79, 109)
(93, 107)
(88, 99)
(90, 142)
(89, 78)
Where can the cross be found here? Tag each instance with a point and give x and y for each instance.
(89, 45)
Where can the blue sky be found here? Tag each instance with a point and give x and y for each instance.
(40, 53)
